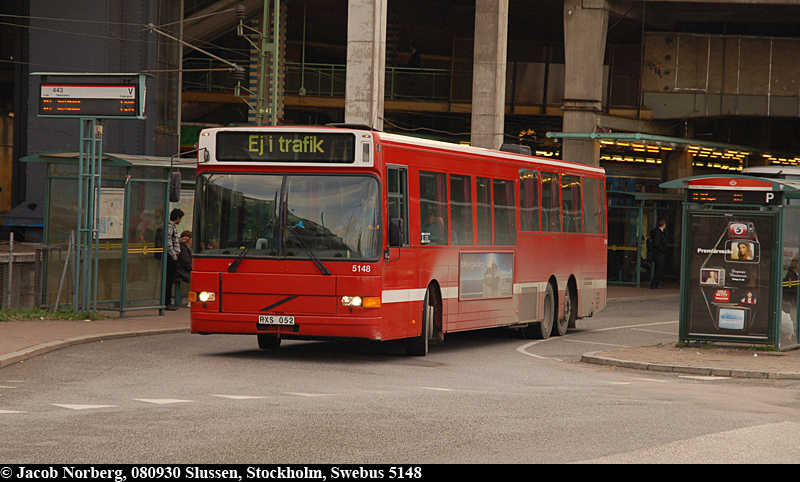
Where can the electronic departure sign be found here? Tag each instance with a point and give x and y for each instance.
(732, 190)
(106, 97)
(88, 100)
(733, 197)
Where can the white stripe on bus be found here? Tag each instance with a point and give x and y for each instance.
(418, 294)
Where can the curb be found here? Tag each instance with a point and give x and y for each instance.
(36, 350)
(593, 358)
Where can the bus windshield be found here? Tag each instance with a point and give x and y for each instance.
(288, 216)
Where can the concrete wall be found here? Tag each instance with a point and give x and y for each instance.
(704, 75)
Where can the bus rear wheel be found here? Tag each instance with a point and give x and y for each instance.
(268, 342)
(562, 324)
(418, 346)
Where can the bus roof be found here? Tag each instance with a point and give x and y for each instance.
(449, 146)
(411, 141)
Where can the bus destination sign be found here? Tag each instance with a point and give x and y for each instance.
(706, 196)
(86, 100)
(295, 147)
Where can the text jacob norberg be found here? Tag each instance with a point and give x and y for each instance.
(72, 473)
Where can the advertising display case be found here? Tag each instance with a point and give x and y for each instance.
(739, 260)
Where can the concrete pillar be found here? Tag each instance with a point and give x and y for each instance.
(366, 62)
(585, 25)
(677, 165)
(489, 73)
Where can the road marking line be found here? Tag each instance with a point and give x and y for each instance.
(4, 386)
(597, 343)
(655, 331)
(162, 401)
(11, 411)
(437, 389)
(237, 397)
(524, 347)
(631, 326)
(652, 380)
(82, 407)
(311, 394)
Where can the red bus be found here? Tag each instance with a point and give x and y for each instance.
(330, 232)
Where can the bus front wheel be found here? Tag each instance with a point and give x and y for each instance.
(418, 346)
(268, 342)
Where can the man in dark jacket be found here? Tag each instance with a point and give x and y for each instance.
(659, 252)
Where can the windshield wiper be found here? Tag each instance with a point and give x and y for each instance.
(235, 265)
(314, 258)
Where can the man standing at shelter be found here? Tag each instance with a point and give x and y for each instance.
(659, 252)
(173, 250)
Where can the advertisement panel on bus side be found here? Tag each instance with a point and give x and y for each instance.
(486, 275)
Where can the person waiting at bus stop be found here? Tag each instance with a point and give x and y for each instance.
(173, 251)
(659, 253)
(185, 257)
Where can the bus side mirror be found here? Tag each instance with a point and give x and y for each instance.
(175, 187)
(396, 232)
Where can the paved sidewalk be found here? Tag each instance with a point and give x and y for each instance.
(717, 359)
(20, 340)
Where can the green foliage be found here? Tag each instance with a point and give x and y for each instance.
(42, 314)
(762, 348)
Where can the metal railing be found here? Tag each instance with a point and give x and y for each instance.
(324, 80)
(34, 275)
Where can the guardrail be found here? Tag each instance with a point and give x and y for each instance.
(325, 80)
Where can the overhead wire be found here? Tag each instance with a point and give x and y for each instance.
(142, 27)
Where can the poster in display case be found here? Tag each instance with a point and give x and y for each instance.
(730, 272)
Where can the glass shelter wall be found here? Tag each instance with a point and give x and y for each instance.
(143, 281)
(631, 217)
(788, 329)
(132, 210)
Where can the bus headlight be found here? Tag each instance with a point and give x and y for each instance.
(205, 296)
(358, 301)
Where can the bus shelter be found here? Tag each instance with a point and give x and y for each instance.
(631, 217)
(133, 211)
(740, 246)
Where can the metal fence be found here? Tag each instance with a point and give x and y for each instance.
(34, 275)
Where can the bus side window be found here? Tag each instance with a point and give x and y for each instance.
(551, 203)
(591, 206)
(397, 196)
(433, 208)
(529, 200)
(460, 210)
(571, 203)
(484, 192)
(505, 225)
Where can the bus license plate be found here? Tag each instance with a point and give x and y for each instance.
(275, 320)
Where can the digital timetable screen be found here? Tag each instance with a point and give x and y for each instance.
(732, 197)
(87, 100)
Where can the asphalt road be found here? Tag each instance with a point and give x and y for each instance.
(484, 397)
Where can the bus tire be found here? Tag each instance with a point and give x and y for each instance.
(268, 342)
(563, 323)
(418, 346)
(542, 330)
